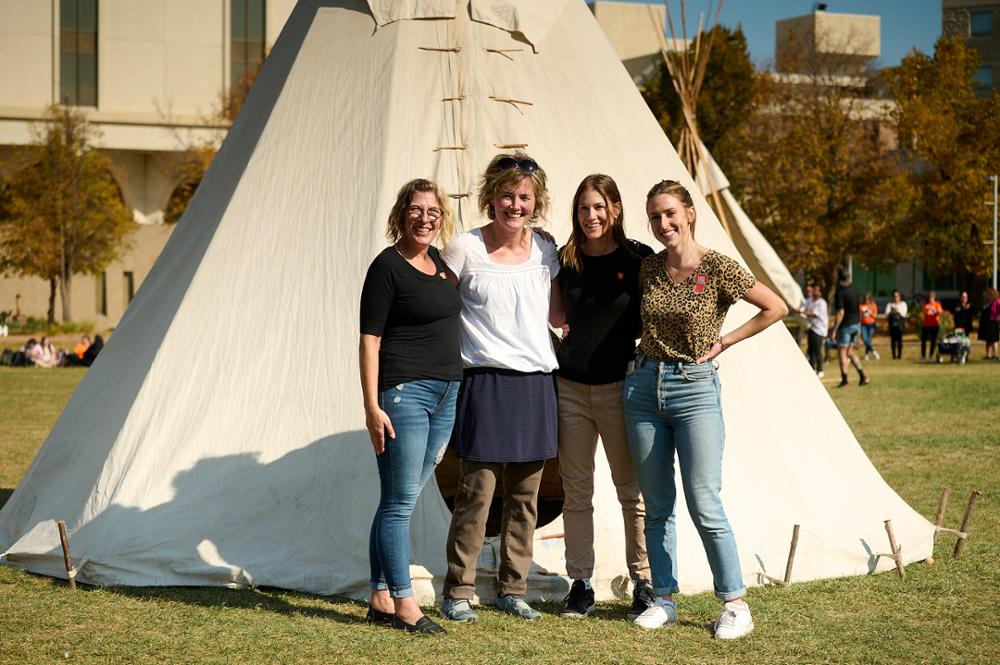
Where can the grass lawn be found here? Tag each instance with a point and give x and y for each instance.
(924, 427)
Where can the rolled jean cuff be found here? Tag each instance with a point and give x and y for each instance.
(404, 592)
(379, 586)
(726, 596)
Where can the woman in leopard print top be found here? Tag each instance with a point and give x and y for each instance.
(672, 400)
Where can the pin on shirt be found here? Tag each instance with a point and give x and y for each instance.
(700, 282)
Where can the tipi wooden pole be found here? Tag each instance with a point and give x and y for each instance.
(942, 505)
(960, 545)
(67, 560)
(791, 554)
(897, 551)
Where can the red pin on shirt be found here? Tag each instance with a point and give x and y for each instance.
(700, 282)
(621, 276)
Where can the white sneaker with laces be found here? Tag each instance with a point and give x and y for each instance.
(661, 612)
(734, 622)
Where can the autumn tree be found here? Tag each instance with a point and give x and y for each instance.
(62, 213)
(816, 172)
(952, 139)
(727, 96)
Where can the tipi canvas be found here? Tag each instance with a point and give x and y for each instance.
(220, 437)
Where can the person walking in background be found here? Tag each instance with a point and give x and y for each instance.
(895, 314)
(868, 310)
(818, 313)
(410, 371)
(931, 311)
(847, 328)
(599, 281)
(989, 323)
(673, 401)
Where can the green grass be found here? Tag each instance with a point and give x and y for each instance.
(924, 427)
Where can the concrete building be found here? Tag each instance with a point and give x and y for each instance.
(631, 29)
(979, 22)
(150, 75)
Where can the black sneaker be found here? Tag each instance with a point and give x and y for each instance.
(642, 598)
(579, 602)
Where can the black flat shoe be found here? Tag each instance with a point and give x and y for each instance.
(374, 616)
(423, 625)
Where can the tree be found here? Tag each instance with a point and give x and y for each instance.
(726, 98)
(952, 138)
(62, 212)
(815, 171)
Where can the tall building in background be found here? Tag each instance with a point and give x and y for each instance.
(977, 21)
(150, 75)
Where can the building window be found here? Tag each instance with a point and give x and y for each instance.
(246, 37)
(981, 23)
(102, 293)
(78, 52)
(129, 287)
(984, 77)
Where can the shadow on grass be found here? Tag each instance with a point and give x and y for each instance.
(5, 494)
(271, 600)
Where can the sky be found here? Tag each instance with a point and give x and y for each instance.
(906, 24)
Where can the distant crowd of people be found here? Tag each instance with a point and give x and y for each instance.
(856, 321)
(42, 353)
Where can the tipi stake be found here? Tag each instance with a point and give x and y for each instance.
(963, 536)
(897, 551)
(791, 554)
(942, 505)
(67, 560)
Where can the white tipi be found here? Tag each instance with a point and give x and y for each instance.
(220, 438)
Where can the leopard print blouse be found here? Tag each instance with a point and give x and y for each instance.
(682, 321)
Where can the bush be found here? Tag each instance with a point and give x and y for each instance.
(33, 326)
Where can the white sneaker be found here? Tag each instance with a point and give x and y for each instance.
(659, 613)
(734, 622)
(820, 374)
(877, 356)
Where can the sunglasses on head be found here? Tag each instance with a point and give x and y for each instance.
(527, 166)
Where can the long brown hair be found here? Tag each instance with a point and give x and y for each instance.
(606, 187)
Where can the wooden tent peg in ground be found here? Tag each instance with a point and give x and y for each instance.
(788, 565)
(67, 559)
(962, 534)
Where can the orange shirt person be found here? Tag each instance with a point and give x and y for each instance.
(81, 347)
(932, 324)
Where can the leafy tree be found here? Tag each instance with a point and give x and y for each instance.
(952, 138)
(61, 212)
(816, 173)
(728, 94)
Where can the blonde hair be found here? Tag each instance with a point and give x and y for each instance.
(397, 216)
(495, 180)
(607, 189)
(678, 191)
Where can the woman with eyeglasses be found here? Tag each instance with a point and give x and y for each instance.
(599, 282)
(411, 368)
(673, 403)
(505, 425)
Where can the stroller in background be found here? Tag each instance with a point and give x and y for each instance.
(956, 345)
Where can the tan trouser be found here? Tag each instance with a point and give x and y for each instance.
(517, 527)
(584, 412)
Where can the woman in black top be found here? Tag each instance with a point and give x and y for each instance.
(963, 314)
(410, 372)
(599, 284)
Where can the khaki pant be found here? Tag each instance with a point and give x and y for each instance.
(584, 412)
(517, 527)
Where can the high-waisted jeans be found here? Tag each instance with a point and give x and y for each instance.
(676, 407)
(422, 414)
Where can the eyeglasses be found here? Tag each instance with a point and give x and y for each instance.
(417, 212)
(527, 166)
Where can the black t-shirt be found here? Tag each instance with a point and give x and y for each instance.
(602, 309)
(963, 318)
(847, 299)
(416, 315)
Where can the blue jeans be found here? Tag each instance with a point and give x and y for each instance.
(847, 335)
(422, 414)
(867, 332)
(675, 406)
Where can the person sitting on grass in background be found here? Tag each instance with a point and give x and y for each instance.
(931, 325)
(847, 328)
(81, 347)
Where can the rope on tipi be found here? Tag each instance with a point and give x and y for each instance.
(687, 72)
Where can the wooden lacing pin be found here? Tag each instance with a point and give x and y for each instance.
(962, 534)
(510, 146)
(459, 196)
(896, 553)
(450, 147)
(504, 52)
(513, 102)
(453, 99)
(67, 559)
(788, 565)
(441, 49)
